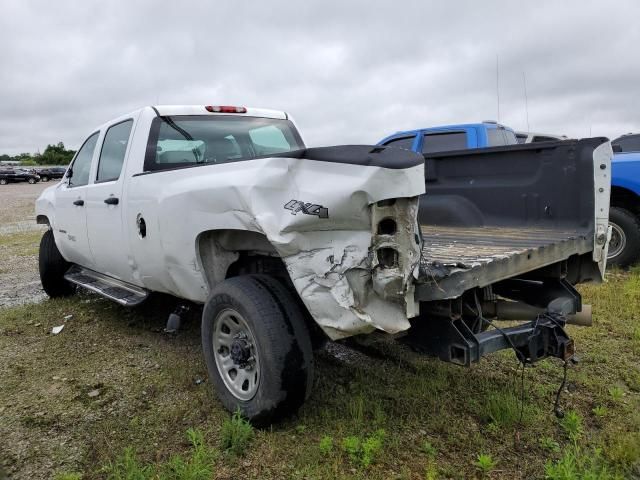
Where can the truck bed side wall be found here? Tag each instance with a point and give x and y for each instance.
(543, 185)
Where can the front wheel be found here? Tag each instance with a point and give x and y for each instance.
(32, 181)
(52, 268)
(624, 246)
(3, 181)
(257, 348)
(44, 178)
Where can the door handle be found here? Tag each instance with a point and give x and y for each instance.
(78, 203)
(111, 201)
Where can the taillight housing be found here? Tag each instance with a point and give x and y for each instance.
(225, 109)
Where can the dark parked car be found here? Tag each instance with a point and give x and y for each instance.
(47, 174)
(17, 175)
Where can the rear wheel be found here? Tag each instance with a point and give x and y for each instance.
(52, 268)
(257, 348)
(3, 181)
(44, 178)
(624, 247)
(32, 180)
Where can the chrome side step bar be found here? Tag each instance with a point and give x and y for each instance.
(109, 287)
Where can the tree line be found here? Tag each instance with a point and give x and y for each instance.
(52, 155)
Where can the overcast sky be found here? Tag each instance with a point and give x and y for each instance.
(348, 72)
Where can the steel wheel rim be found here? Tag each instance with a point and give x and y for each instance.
(233, 341)
(618, 241)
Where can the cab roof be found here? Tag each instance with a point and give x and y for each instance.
(169, 110)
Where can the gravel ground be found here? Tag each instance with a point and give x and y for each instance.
(19, 236)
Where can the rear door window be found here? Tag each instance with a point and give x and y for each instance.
(442, 142)
(499, 137)
(82, 163)
(404, 142)
(114, 148)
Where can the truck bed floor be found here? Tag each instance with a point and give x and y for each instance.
(455, 259)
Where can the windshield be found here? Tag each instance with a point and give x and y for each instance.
(191, 140)
(500, 136)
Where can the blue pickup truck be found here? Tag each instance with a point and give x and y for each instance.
(624, 215)
(452, 137)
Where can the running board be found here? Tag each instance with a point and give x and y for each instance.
(109, 287)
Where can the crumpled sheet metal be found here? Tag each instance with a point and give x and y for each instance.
(334, 269)
(328, 258)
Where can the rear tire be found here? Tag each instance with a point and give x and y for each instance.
(52, 268)
(254, 335)
(44, 179)
(32, 181)
(3, 181)
(624, 248)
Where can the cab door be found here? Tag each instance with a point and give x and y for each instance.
(70, 223)
(105, 217)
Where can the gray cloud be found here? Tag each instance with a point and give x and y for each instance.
(347, 71)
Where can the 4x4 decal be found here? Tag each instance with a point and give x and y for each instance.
(307, 208)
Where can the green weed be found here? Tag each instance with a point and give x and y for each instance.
(550, 444)
(571, 423)
(600, 411)
(574, 465)
(503, 408)
(429, 449)
(127, 467)
(485, 463)
(236, 434)
(326, 445)
(616, 393)
(363, 452)
(196, 466)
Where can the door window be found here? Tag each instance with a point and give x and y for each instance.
(404, 142)
(114, 148)
(442, 142)
(82, 163)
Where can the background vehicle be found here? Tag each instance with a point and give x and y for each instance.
(51, 173)
(452, 137)
(224, 207)
(624, 216)
(8, 175)
(532, 137)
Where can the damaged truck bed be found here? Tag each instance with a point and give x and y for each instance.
(505, 235)
(493, 214)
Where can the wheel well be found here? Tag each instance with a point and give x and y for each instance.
(625, 198)
(229, 253)
(42, 220)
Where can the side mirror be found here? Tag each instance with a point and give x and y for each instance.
(616, 148)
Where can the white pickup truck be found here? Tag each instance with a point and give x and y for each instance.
(225, 207)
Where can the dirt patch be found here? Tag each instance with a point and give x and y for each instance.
(19, 237)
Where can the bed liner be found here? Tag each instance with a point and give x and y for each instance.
(456, 259)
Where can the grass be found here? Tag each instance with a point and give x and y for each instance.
(20, 244)
(196, 465)
(436, 418)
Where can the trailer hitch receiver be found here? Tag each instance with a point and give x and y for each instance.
(452, 340)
